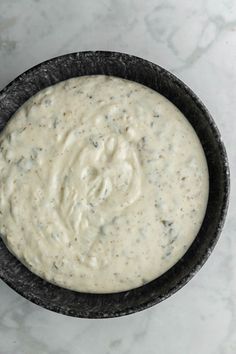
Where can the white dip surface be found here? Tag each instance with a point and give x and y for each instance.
(104, 184)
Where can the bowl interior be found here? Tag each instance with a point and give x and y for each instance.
(136, 69)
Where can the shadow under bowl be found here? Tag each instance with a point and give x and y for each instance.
(85, 305)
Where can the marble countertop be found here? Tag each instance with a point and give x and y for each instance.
(196, 40)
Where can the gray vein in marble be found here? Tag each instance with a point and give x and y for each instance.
(210, 30)
(7, 23)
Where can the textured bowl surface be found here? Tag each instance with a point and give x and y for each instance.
(129, 67)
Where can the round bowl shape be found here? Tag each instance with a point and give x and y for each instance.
(72, 303)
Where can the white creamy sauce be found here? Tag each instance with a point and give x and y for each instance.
(104, 184)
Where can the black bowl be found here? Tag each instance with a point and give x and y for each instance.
(72, 303)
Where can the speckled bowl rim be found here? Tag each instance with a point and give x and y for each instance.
(183, 279)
